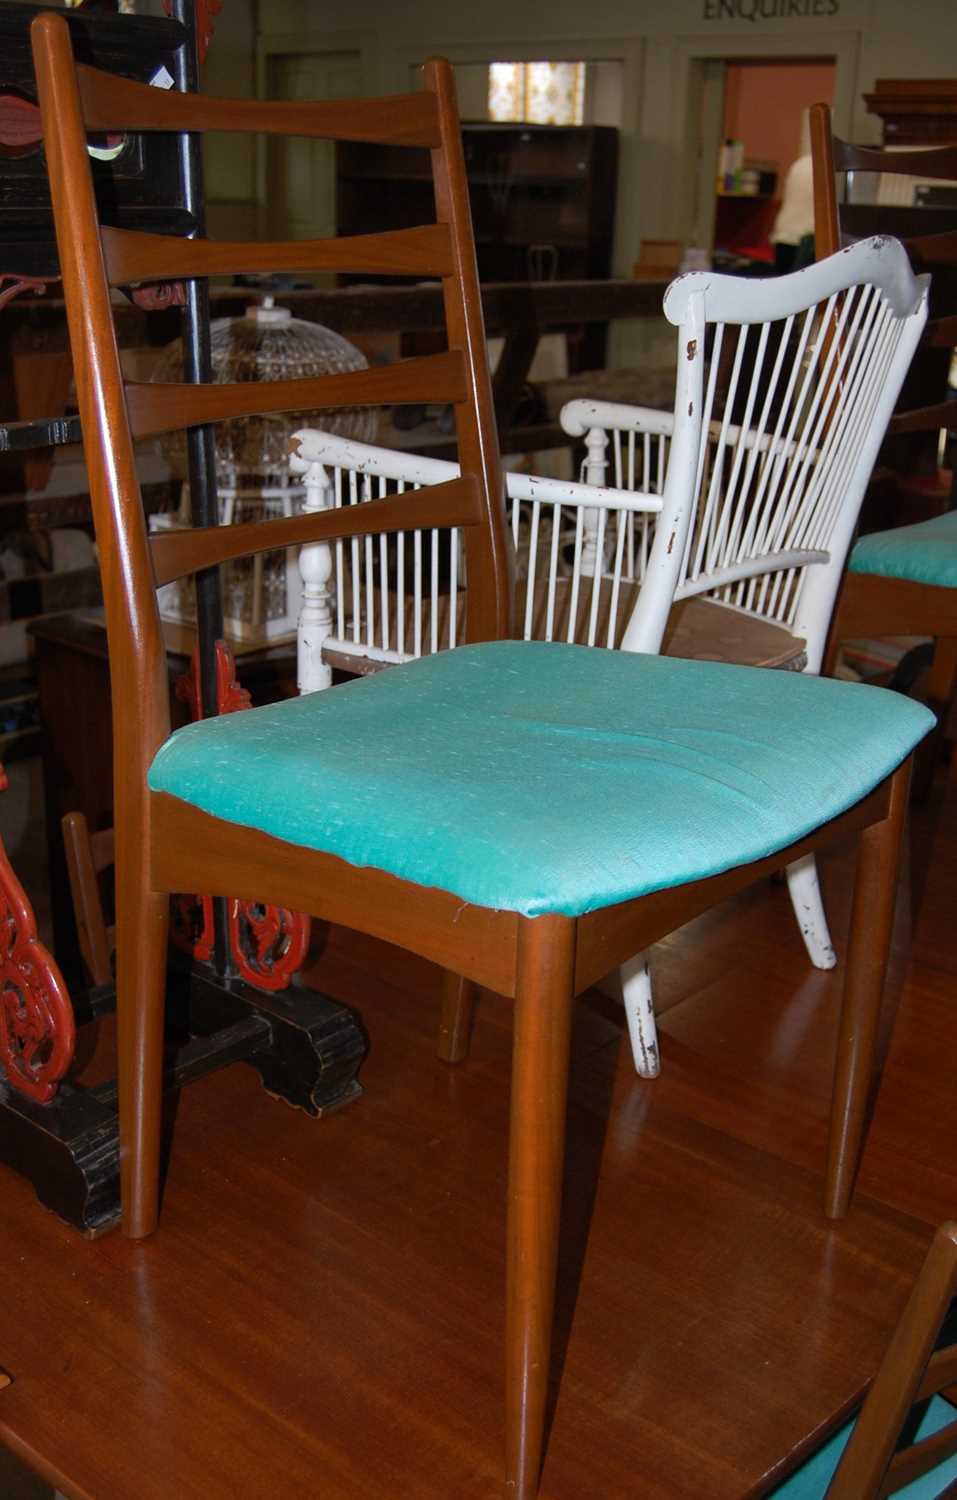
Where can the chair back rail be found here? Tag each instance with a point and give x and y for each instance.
(109, 102)
(154, 409)
(797, 379)
(831, 158)
(131, 255)
(76, 100)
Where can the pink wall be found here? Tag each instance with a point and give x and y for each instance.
(763, 103)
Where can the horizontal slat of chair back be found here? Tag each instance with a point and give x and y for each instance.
(933, 251)
(912, 1463)
(178, 553)
(113, 103)
(941, 1372)
(154, 409)
(133, 256)
(925, 418)
(942, 332)
(938, 162)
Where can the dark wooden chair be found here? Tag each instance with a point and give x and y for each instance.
(442, 805)
(902, 581)
(88, 856)
(906, 1432)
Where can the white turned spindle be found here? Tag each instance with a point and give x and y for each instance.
(596, 443)
(315, 567)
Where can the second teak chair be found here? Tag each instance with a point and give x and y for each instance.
(440, 806)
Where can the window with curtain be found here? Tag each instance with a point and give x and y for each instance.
(538, 93)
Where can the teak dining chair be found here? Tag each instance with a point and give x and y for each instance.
(904, 1439)
(902, 581)
(440, 806)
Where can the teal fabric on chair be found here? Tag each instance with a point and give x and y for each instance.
(547, 778)
(925, 553)
(810, 1482)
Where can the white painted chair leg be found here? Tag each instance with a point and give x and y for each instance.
(809, 911)
(635, 978)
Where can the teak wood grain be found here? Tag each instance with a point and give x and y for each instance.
(400, 119)
(133, 256)
(164, 846)
(175, 553)
(165, 408)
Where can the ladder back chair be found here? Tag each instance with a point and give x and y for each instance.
(902, 581)
(441, 805)
(904, 1439)
(757, 526)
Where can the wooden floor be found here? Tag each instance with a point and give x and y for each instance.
(321, 1313)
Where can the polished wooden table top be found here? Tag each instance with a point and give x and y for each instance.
(321, 1311)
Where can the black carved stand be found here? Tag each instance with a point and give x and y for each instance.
(305, 1048)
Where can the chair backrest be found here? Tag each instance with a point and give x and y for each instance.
(76, 100)
(784, 390)
(830, 157)
(837, 222)
(915, 1367)
(400, 596)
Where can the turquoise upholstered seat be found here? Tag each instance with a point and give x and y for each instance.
(810, 1482)
(547, 778)
(925, 553)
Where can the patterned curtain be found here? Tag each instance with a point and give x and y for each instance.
(539, 93)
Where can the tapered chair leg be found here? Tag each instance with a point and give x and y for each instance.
(872, 916)
(546, 969)
(458, 1012)
(142, 930)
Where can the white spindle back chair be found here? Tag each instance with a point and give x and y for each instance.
(759, 512)
(744, 521)
(381, 600)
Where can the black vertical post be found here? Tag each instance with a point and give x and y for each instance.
(200, 447)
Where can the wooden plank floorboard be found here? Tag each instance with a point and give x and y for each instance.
(321, 1312)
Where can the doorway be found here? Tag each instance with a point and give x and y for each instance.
(301, 173)
(752, 130)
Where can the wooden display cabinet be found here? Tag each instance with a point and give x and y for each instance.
(542, 196)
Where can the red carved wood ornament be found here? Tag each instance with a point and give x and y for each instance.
(267, 943)
(37, 1028)
(205, 24)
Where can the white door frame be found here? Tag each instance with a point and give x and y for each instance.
(692, 52)
(300, 43)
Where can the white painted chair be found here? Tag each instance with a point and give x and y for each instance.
(763, 511)
(387, 599)
(718, 537)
